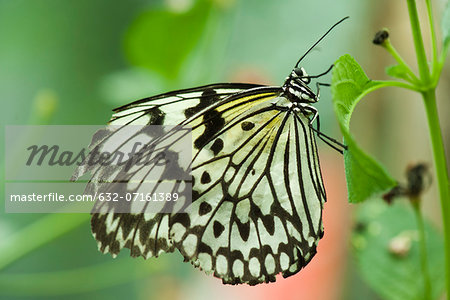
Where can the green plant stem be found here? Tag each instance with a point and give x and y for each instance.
(388, 46)
(440, 165)
(433, 36)
(440, 65)
(423, 248)
(429, 97)
(37, 234)
(418, 42)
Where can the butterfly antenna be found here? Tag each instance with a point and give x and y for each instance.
(321, 38)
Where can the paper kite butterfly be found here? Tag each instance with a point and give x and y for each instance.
(257, 190)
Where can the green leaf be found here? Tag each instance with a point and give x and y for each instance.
(366, 178)
(446, 27)
(387, 251)
(398, 71)
(161, 40)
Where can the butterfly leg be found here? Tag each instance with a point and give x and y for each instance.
(326, 139)
(318, 84)
(320, 75)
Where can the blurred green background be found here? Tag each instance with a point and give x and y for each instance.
(72, 62)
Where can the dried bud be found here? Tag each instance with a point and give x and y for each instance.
(380, 37)
(419, 179)
(397, 191)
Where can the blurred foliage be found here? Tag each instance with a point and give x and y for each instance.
(386, 244)
(160, 40)
(79, 280)
(71, 62)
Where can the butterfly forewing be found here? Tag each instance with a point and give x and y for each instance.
(175, 107)
(144, 234)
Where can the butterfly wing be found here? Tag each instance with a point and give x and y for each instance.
(257, 194)
(144, 234)
(175, 107)
(257, 188)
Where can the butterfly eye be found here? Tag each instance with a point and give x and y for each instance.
(298, 72)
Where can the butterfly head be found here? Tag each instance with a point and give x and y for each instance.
(296, 87)
(300, 73)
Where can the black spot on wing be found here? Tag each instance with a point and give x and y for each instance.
(208, 97)
(205, 178)
(202, 247)
(195, 195)
(267, 220)
(269, 224)
(246, 126)
(217, 146)
(204, 208)
(218, 229)
(212, 119)
(213, 123)
(156, 116)
(244, 229)
(182, 218)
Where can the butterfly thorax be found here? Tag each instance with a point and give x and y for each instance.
(296, 88)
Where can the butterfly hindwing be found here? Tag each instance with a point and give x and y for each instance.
(250, 218)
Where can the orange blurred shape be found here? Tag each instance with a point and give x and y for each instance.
(248, 74)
